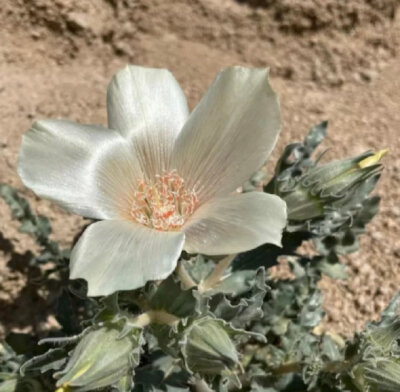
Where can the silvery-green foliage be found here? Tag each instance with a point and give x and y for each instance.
(71, 309)
(373, 356)
(11, 361)
(247, 331)
(36, 225)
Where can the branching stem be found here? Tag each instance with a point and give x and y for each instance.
(184, 276)
(295, 367)
(288, 368)
(200, 385)
(216, 275)
(154, 317)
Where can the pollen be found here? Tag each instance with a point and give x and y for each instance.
(164, 203)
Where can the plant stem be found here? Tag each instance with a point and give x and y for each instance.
(337, 367)
(154, 317)
(184, 276)
(329, 367)
(141, 303)
(216, 275)
(200, 385)
(288, 368)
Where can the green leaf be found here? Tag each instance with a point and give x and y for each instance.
(172, 298)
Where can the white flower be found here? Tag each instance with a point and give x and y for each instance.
(160, 180)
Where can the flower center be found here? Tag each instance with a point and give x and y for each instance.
(163, 204)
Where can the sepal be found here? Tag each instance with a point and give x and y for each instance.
(102, 358)
(207, 347)
(337, 185)
(322, 198)
(374, 354)
(171, 297)
(382, 375)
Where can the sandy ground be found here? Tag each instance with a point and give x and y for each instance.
(329, 59)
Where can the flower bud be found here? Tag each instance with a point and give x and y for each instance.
(337, 184)
(376, 358)
(380, 375)
(100, 359)
(384, 338)
(208, 348)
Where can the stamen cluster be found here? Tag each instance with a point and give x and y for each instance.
(163, 204)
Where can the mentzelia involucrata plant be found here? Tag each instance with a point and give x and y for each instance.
(161, 180)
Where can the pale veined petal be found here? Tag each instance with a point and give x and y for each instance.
(87, 169)
(149, 108)
(230, 134)
(121, 255)
(236, 223)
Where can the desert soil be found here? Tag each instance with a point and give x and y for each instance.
(329, 59)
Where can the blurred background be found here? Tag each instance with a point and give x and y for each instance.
(334, 60)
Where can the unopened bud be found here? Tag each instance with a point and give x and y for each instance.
(373, 159)
(379, 375)
(99, 360)
(333, 184)
(375, 355)
(385, 338)
(209, 349)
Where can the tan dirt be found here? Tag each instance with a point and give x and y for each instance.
(329, 59)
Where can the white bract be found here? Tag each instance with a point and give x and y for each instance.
(161, 180)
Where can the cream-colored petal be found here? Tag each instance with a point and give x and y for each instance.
(88, 170)
(236, 223)
(230, 134)
(149, 108)
(122, 255)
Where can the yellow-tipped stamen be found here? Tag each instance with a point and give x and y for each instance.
(373, 159)
(164, 203)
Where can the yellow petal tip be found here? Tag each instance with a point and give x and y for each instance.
(373, 159)
(64, 388)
